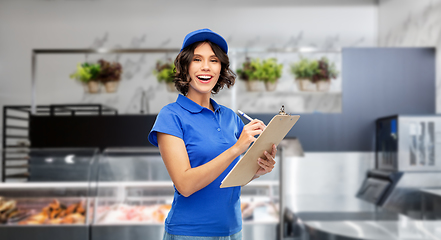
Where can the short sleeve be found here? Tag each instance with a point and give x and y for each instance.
(167, 122)
(240, 125)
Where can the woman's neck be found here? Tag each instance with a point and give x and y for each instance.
(203, 100)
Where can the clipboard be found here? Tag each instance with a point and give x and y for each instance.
(247, 166)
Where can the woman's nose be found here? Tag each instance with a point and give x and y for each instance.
(205, 65)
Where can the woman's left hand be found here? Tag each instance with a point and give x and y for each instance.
(267, 163)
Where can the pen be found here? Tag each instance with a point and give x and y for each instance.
(245, 116)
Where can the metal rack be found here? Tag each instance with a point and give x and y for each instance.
(16, 142)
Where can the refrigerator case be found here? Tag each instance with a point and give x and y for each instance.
(45, 209)
(134, 194)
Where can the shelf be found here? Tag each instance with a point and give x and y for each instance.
(149, 184)
(26, 158)
(269, 222)
(41, 185)
(17, 166)
(128, 224)
(257, 183)
(18, 175)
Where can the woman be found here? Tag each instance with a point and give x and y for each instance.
(200, 141)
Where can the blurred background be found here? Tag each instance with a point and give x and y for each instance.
(384, 51)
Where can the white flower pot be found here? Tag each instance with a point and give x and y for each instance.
(253, 86)
(323, 85)
(271, 86)
(111, 86)
(93, 87)
(306, 85)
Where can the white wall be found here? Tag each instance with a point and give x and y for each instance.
(48, 24)
(408, 23)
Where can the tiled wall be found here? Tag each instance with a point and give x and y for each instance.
(407, 23)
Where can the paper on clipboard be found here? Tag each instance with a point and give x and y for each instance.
(247, 166)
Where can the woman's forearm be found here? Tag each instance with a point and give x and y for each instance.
(185, 178)
(199, 177)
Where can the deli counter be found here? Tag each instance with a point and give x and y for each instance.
(121, 193)
(56, 200)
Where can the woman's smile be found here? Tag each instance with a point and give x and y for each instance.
(205, 78)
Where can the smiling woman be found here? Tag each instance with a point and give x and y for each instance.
(200, 141)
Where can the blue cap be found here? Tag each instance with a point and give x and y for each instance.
(202, 35)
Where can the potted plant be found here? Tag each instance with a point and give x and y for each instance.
(326, 72)
(165, 73)
(87, 74)
(110, 75)
(304, 70)
(247, 74)
(269, 72)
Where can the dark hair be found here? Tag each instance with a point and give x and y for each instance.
(185, 57)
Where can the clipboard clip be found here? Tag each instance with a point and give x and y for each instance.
(282, 111)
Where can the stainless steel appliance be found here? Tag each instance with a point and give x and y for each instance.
(408, 163)
(399, 198)
(408, 143)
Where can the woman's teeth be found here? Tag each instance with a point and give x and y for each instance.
(204, 78)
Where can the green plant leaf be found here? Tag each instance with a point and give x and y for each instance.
(255, 69)
(304, 68)
(86, 72)
(164, 72)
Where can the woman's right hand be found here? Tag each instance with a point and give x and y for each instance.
(248, 134)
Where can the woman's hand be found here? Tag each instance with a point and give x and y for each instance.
(267, 163)
(248, 134)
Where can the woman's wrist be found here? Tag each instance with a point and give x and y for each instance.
(235, 150)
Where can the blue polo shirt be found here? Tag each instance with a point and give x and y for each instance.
(211, 211)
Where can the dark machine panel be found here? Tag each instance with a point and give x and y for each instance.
(90, 131)
(377, 186)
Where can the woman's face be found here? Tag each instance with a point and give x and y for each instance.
(204, 70)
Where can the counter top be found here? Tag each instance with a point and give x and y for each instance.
(436, 192)
(351, 218)
(402, 229)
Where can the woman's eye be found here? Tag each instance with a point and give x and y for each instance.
(214, 60)
(197, 60)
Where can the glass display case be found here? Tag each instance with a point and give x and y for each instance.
(134, 194)
(55, 201)
(122, 193)
(260, 201)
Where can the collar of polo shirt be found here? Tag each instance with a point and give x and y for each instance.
(193, 107)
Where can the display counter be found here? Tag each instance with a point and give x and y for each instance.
(134, 194)
(336, 220)
(123, 193)
(41, 209)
